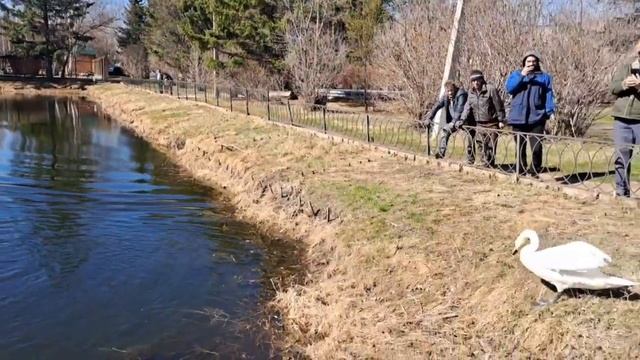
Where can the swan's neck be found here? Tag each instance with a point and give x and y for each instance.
(534, 242)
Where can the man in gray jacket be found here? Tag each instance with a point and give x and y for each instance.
(487, 109)
(625, 85)
(453, 103)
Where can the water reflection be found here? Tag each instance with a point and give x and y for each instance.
(108, 251)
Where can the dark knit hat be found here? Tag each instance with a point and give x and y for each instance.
(531, 53)
(475, 75)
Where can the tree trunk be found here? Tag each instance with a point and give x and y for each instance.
(47, 37)
(63, 73)
(49, 67)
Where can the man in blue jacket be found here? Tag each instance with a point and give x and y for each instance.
(453, 103)
(532, 105)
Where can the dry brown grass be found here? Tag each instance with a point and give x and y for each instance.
(418, 263)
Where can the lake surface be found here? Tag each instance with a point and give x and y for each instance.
(108, 251)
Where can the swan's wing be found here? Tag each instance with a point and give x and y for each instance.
(576, 255)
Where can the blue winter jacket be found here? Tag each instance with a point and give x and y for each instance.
(532, 98)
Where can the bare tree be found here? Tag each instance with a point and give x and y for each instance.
(134, 59)
(496, 34)
(410, 52)
(316, 52)
(105, 38)
(254, 76)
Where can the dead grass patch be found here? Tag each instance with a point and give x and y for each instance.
(417, 263)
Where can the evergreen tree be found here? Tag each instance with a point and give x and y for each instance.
(165, 37)
(364, 18)
(240, 29)
(44, 27)
(135, 22)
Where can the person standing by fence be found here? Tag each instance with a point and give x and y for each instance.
(625, 86)
(159, 80)
(485, 106)
(532, 104)
(453, 104)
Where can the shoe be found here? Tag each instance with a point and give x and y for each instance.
(439, 155)
(622, 194)
(535, 170)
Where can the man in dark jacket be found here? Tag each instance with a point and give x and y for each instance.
(453, 103)
(484, 110)
(532, 104)
(625, 85)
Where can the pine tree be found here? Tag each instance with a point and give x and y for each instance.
(240, 29)
(135, 22)
(364, 18)
(165, 37)
(131, 39)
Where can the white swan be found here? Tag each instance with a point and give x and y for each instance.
(573, 265)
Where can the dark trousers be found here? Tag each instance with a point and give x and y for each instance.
(449, 130)
(626, 133)
(485, 138)
(532, 136)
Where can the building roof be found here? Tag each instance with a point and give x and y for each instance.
(85, 50)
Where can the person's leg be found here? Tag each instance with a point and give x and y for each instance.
(484, 145)
(480, 144)
(636, 141)
(493, 145)
(489, 145)
(521, 148)
(444, 141)
(535, 140)
(471, 144)
(623, 137)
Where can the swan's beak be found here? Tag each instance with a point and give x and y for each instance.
(515, 251)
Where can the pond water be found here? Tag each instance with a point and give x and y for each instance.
(108, 251)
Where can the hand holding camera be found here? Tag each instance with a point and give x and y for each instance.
(631, 81)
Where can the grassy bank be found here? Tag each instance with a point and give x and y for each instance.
(414, 260)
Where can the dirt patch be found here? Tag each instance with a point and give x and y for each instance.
(405, 260)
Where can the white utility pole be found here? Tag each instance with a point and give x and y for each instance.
(449, 66)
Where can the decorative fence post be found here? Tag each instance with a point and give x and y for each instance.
(268, 107)
(246, 98)
(290, 115)
(205, 93)
(429, 140)
(195, 91)
(178, 89)
(324, 119)
(368, 131)
(231, 98)
(217, 96)
(517, 155)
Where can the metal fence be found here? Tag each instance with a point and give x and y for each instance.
(576, 162)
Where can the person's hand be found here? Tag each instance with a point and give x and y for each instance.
(457, 124)
(630, 81)
(527, 70)
(501, 125)
(549, 124)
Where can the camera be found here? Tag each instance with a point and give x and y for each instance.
(635, 72)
